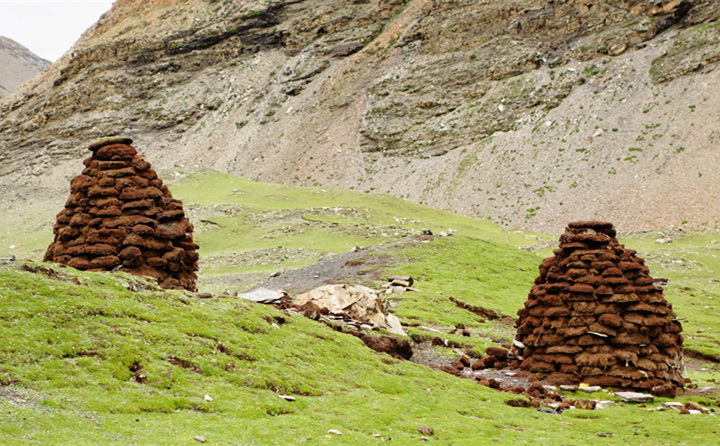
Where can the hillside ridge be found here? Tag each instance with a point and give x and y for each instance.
(17, 65)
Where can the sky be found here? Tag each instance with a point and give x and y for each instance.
(49, 28)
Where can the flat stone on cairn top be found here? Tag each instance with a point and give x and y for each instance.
(595, 315)
(120, 215)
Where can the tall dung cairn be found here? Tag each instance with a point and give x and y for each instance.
(120, 215)
(596, 316)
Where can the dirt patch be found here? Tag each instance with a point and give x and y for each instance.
(394, 346)
(425, 354)
(357, 265)
(701, 391)
(19, 397)
(507, 378)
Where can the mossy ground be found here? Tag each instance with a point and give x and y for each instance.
(85, 360)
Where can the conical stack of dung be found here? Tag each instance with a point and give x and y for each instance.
(596, 316)
(120, 214)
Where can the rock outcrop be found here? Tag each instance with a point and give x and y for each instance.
(120, 215)
(354, 310)
(595, 315)
(358, 302)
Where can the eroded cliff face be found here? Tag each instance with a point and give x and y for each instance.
(532, 113)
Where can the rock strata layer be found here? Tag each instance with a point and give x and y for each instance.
(596, 316)
(120, 215)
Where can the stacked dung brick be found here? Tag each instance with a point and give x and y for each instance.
(596, 316)
(120, 214)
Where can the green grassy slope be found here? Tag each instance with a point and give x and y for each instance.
(85, 360)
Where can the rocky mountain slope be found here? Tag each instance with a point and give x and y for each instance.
(17, 65)
(531, 113)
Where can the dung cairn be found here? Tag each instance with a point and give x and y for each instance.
(120, 214)
(596, 316)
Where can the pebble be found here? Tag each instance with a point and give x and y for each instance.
(200, 438)
(334, 432)
(426, 430)
(602, 404)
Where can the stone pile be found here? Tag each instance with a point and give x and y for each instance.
(120, 215)
(596, 316)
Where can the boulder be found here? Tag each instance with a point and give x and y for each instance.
(359, 302)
